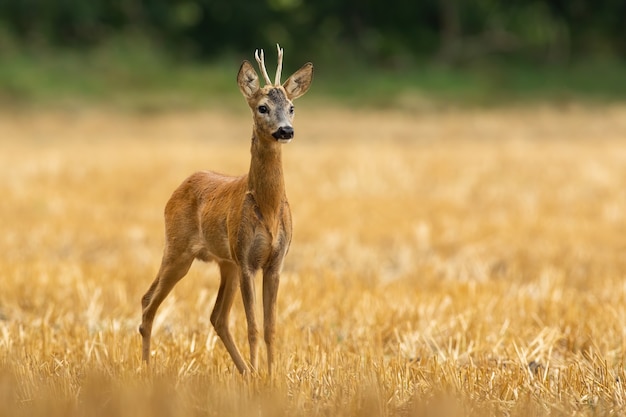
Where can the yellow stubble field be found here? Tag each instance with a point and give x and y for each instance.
(462, 262)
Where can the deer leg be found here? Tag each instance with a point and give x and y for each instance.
(271, 280)
(229, 282)
(248, 296)
(172, 270)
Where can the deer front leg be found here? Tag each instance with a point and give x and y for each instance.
(271, 278)
(248, 296)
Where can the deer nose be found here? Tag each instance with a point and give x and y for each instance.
(284, 132)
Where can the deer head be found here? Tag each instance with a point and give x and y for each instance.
(272, 105)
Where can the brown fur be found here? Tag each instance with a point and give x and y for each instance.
(242, 223)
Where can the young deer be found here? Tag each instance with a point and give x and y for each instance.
(242, 223)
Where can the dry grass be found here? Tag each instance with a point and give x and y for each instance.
(464, 263)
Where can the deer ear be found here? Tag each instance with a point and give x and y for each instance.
(299, 82)
(248, 80)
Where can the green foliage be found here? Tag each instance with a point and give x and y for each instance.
(127, 70)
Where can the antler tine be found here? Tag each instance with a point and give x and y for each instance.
(279, 68)
(261, 61)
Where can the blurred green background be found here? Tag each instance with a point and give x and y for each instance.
(366, 52)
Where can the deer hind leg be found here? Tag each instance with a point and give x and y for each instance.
(229, 283)
(173, 269)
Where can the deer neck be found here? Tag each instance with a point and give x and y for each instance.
(265, 180)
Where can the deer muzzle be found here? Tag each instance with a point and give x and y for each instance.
(284, 133)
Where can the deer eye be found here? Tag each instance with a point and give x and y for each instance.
(291, 109)
(263, 109)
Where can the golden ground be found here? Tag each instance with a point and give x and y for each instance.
(443, 263)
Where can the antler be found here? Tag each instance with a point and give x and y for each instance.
(260, 59)
(279, 68)
(261, 62)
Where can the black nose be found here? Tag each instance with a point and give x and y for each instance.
(284, 132)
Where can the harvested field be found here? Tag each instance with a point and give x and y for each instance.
(468, 262)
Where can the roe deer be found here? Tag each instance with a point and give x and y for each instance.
(242, 223)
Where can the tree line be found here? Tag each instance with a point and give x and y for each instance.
(384, 33)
